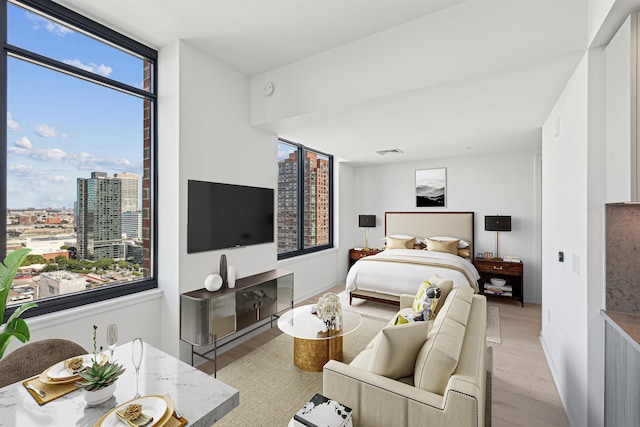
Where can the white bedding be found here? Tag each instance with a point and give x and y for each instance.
(391, 271)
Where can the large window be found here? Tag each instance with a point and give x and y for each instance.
(305, 217)
(78, 158)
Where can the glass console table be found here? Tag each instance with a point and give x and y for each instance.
(313, 344)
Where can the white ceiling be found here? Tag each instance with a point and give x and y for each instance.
(499, 64)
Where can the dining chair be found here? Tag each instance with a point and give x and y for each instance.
(34, 357)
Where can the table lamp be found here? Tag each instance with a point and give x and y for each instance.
(497, 223)
(367, 221)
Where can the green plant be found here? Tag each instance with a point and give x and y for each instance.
(15, 327)
(98, 376)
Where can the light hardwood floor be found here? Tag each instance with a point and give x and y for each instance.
(523, 392)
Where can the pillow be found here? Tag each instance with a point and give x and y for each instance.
(464, 253)
(426, 300)
(396, 349)
(461, 244)
(446, 246)
(445, 286)
(400, 243)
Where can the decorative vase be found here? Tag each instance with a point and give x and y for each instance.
(97, 397)
(223, 270)
(231, 276)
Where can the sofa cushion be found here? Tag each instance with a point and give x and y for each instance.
(361, 361)
(461, 292)
(445, 285)
(395, 349)
(438, 357)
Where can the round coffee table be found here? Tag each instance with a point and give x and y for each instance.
(313, 345)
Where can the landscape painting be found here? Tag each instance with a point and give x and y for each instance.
(431, 188)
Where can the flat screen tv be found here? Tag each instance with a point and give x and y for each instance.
(226, 216)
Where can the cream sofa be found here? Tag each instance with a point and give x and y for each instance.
(443, 386)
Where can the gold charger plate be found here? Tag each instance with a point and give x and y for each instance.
(44, 378)
(166, 417)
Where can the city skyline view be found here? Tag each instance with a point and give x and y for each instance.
(57, 131)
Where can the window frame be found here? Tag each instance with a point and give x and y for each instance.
(105, 34)
(300, 223)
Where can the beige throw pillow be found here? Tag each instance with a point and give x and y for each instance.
(447, 246)
(396, 348)
(400, 243)
(445, 286)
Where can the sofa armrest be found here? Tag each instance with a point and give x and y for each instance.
(340, 381)
(406, 301)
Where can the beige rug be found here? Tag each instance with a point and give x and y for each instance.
(493, 325)
(272, 388)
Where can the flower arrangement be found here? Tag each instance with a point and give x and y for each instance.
(329, 309)
(99, 375)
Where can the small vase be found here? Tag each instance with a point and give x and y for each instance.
(231, 276)
(97, 397)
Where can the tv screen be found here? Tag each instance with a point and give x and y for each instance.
(226, 215)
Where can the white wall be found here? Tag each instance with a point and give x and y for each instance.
(216, 144)
(499, 184)
(572, 214)
(618, 115)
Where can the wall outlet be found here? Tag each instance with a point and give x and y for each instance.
(575, 264)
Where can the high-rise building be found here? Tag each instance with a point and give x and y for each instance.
(316, 201)
(288, 203)
(132, 224)
(99, 217)
(129, 192)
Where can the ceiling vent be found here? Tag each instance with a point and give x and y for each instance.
(392, 151)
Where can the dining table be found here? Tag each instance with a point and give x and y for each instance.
(198, 397)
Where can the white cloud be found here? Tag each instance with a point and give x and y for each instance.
(82, 161)
(12, 124)
(45, 131)
(22, 171)
(103, 70)
(38, 22)
(23, 142)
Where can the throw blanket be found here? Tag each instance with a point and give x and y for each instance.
(401, 271)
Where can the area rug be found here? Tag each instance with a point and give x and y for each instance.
(272, 388)
(493, 325)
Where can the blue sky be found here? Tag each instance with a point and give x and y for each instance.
(60, 128)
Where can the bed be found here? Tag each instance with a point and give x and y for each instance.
(393, 272)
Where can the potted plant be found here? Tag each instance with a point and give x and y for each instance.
(99, 379)
(15, 327)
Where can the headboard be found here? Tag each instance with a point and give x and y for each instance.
(431, 224)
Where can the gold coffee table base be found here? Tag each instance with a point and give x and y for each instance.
(311, 355)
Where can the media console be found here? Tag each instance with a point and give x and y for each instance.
(207, 317)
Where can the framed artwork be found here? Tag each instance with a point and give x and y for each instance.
(431, 188)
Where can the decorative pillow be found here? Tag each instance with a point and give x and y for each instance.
(447, 246)
(395, 351)
(426, 300)
(461, 244)
(400, 243)
(464, 253)
(445, 286)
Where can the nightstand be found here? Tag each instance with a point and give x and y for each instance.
(356, 254)
(512, 272)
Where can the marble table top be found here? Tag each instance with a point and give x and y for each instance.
(199, 397)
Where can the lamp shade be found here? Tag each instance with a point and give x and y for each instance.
(497, 223)
(367, 220)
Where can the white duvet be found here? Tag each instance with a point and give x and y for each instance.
(392, 272)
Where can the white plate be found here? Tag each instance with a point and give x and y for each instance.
(153, 406)
(60, 372)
